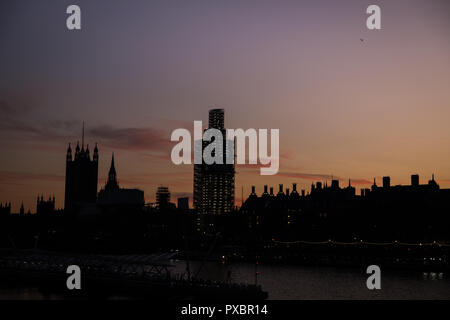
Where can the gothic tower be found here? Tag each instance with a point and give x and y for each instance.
(112, 184)
(81, 176)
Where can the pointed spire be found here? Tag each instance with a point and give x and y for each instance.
(82, 138)
(87, 155)
(112, 184)
(374, 186)
(69, 153)
(95, 156)
(112, 169)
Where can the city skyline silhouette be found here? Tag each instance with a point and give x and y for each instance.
(346, 102)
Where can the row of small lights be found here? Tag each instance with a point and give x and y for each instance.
(361, 242)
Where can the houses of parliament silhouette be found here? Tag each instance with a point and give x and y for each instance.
(82, 179)
(81, 176)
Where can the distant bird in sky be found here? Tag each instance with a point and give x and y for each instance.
(362, 40)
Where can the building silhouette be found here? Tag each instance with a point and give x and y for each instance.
(183, 203)
(81, 176)
(214, 183)
(44, 207)
(5, 208)
(112, 184)
(162, 197)
(120, 198)
(410, 212)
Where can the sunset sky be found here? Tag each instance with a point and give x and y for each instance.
(137, 70)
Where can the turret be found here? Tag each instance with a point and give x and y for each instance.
(95, 156)
(69, 154)
(87, 154)
(77, 150)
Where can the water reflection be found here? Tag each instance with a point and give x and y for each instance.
(299, 282)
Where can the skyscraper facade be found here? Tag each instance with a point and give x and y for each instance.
(214, 183)
(162, 197)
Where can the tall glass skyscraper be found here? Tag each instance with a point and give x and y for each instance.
(214, 183)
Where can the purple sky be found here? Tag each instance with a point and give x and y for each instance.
(139, 69)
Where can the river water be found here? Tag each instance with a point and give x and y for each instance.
(295, 282)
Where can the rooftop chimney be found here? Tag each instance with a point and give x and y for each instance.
(415, 180)
(335, 184)
(386, 182)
